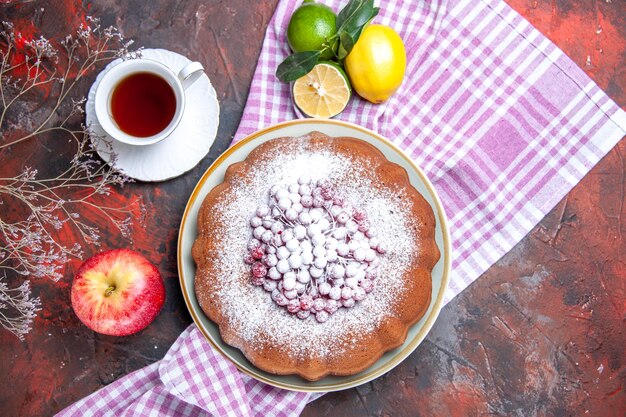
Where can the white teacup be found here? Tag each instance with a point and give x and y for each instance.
(179, 82)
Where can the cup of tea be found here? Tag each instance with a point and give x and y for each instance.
(141, 101)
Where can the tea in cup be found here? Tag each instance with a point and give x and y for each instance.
(141, 102)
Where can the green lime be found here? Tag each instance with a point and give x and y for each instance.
(311, 27)
(324, 92)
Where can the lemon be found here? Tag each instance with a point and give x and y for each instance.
(377, 63)
(310, 28)
(322, 93)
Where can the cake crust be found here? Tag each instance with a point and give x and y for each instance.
(358, 346)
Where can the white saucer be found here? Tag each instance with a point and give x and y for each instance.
(179, 152)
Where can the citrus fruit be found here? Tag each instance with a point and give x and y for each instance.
(310, 28)
(377, 63)
(322, 93)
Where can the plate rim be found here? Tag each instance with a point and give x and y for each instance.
(438, 301)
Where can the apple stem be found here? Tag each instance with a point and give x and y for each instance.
(109, 291)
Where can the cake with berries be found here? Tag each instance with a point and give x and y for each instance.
(314, 256)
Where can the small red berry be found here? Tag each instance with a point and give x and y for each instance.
(253, 243)
(319, 304)
(303, 314)
(367, 285)
(331, 306)
(293, 306)
(306, 302)
(279, 298)
(259, 281)
(321, 316)
(259, 270)
(359, 215)
(328, 193)
(324, 184)
(257, 253)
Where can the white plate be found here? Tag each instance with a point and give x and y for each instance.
(215, 175)
(180, 151)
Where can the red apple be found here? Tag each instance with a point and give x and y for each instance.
(117, 292)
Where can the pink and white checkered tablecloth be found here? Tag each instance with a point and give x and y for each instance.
(499, 118)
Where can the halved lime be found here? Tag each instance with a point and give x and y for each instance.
(322, 93)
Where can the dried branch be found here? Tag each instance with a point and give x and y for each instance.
(17, 308)
(31, 243)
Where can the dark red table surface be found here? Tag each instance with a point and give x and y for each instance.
(540, 333)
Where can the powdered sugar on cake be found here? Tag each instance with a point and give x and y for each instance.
(250, 310)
